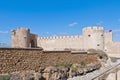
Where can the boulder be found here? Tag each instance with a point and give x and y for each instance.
(50, 73)
(50, 69)
(37, 76)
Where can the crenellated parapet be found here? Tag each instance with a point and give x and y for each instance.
(93, 29)
(20, 31)
(27, 29)
(92, 37)
(59, 37)
(60, 42)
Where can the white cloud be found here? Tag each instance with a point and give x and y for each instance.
(73, 24)
(4, 32)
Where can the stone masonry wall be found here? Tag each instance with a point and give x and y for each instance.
(20, 59)
(64, 58)
(12, 60)
(60, 42)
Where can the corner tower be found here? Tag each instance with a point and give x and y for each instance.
(93, 38)
(22, 38)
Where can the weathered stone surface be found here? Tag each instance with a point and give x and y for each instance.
(25, 75)
(54, 73)
(37, 76)
(12, 60)
(17, 59)
(15, 76)
(50, 69)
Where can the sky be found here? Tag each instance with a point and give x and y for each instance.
(58, 17)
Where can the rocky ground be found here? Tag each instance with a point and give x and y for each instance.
(53, 72)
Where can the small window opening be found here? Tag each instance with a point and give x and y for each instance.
(101, 34)
(89, 35)
(98, 44)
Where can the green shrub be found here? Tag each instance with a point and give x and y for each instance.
(73, 68)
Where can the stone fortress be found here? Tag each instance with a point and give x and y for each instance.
(91, 38)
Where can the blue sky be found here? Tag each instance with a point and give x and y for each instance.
(58, 17)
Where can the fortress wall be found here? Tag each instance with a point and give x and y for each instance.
(108, 41)
(22, 59)
(61, 42)
(93, 37)
(113, 49)
(116, 48)
(108, 37)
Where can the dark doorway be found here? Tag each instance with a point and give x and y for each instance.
(32, 44)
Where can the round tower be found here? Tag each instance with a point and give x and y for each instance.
(23, 34)
(93, 38)
(20, 38)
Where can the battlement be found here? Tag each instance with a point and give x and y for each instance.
(59, 37)
(27, 29)
(21, 30)
(94, 28)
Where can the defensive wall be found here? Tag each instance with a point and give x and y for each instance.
(91, 38)
(61, 42)
(111, 48)
(23, 59)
